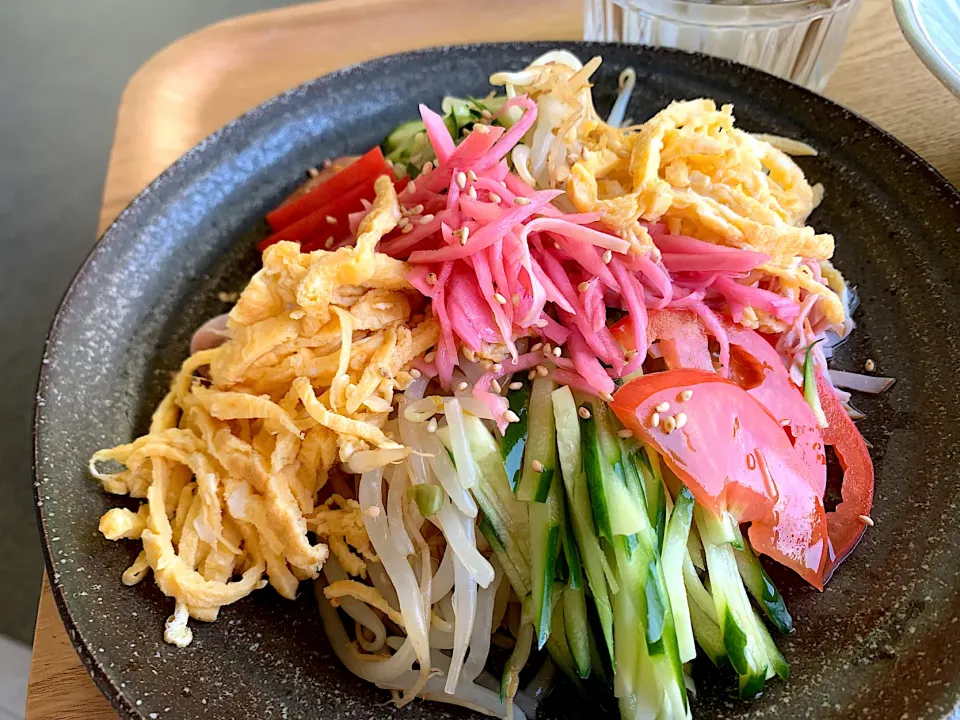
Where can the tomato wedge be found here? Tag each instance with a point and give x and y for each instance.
(845, 523)
(734, 457)
(754, 365)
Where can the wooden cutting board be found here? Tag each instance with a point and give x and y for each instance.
(206, 79)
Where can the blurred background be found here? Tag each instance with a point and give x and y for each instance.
(63, 66)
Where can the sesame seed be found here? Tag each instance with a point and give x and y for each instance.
(427, 168)
(482, 129)
(606, 397)
(572, 158)
(625, 433)
(416, 209)
(663, 407)
(426, 219)
(630, 354)
(430, 357)
(497, 368)
(655, 420)
(515, 299)
(312, 172)
(583, 412)
(681, 419)
(371, 511)
(500, 298)
(542, 371)
(494, 198)
(414, 373)
(407, 229)
(486, 114)
(327, 164)
(686, 395)
(328, 243)
(537, 347)
(557, 352)
(584, 286)
(411, 187)
(432, 425)
(465, 132)
(503, 184)
(784, 422)
(607, 257)
(463, 386)
(464, 234)
(511, 416)
(461, 179)
(520, 200)
(331, 220)
(431, 278)
(869, 366)
(415, 158)
(472, 192)
(471, 176)
(669, 424)
(531, 375)
(547, 348)
(495, 386)
(515, 385)
(403, 222)
(537, 466)
(867, 520)
(541, 323)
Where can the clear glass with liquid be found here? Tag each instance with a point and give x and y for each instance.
(799, 40)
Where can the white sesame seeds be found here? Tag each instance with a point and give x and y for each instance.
(461, 180)
(655, 420)
(411, 187)
(584, 286)
(432, 425)
(416, 209)
(494, 198)
(465, 132)
(515, 385)
(430, 356)
(541, 323)
(511, 416)
(331, 220)
(482, 129)
(472, 192)
(431, 278)
(463, 233)
(495, 386)
(414, 373)
(869, 365)
(537, 347)
(663, 407)
(426, 219)
(537, 466)
(500, 298)
(686, 395)
(557, 352)
(607, 257)
(463, 386)
(486, 114)
(416, 157)
(583, 412)
(312, 172)
(542, 371)
(407, 229)
(403, 222)
(606, 397)
(531, 375)
(520, 200)
(547, 349)
(515, 299)
(681, 419)
(867, 520)
(427, 168)
(497, 368)
(669, 424)
(625, 433)
(471, 176)
(328, 243)
(371, 511)
(327, 164)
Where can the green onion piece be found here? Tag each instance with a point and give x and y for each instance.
(810, 388)
(429, 499)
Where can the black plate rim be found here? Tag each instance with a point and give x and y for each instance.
(114, 694)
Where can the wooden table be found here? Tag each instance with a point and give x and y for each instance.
(211, 76)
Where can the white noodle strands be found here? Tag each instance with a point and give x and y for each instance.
(397, 483)
(399, 571)
(482, 627)
(466, 467)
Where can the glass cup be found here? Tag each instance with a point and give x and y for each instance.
(799, 40)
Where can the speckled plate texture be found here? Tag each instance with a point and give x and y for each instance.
(883, 640)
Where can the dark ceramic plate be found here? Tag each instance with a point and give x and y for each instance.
(883, 641)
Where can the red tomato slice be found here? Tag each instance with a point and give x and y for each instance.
(754, 365)
(734, 456)
(846, 527)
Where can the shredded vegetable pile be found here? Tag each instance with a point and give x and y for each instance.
(525, 391)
